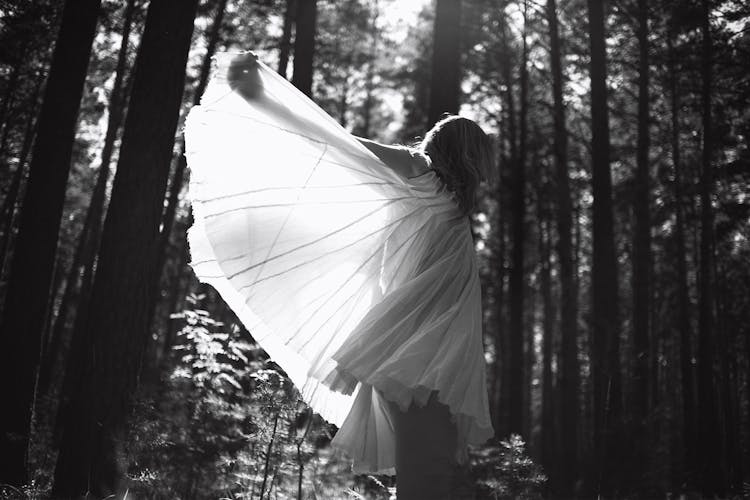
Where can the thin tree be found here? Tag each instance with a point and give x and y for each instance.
(605, 355)
(709, 443)
(569, 370)
(518, 230)
(510, 355)
(116, 329)
(548, 323)
(26, 301)
(88, 240)
(642, 266)
(445, 79)
(304, 45)
(684, 309)
(285, 45)
(178, 178)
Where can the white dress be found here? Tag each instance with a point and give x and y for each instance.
(357, 282)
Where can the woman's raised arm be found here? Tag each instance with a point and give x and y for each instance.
(398, 158)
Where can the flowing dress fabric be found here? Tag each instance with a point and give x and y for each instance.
(360, 284)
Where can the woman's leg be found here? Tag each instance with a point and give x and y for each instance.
(425, 451)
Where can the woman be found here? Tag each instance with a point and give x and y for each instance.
(351, 263)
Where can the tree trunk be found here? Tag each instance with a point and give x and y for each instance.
(367, 106)
(304, 45)
(445, 86)
(512, 368)
(569, 370)
(709, 443)
(548, 322)
(684, 306)
(516, 283)
(641, 261)
(178, 178)
(31, 272)
(604, 277)
(116, 330)
(500, 380)
(286, 36)
(88, 241)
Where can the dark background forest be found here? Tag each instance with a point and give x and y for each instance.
(614, 248)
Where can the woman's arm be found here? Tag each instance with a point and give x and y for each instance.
(398, 158)
(244, 78)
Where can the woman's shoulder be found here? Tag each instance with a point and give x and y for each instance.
(419, 163)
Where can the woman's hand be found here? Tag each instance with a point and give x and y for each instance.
(243, 76)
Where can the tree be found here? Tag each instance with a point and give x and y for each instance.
(116, 330)
(569, 372)
(285, 44)
(518, 232)
(604, 279)
(709, 452)
(445, 84)
(304, 45)
(23, 313)
(642, 266)
(682, 318)
(88, 241)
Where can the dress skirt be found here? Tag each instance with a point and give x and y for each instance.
(362, 285)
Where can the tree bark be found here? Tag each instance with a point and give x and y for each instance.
(28, 288)
(548, 323)
(569, 370)
(512, 353)
(178, 178)
(604, 290)
(116, 329)
(81, 270)
(286, 36)
(684, 306)
(516, 283)
(445, 86)
(500, 380)
(641, 260)
(709, 447)
(304, 45)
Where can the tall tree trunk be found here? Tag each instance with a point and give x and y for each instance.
(285, 45)
(304, 45)
(548, 323)
(641, 262)
(117, 325)
(569, 370)
(604, 292)
(445, 79)
(709, 442)
(684, 307)
(178, 179)
(22, 319)
(727, 388)
(81, 270)
(500, 380)
(372, 55)
(512, 368)
(516, 284)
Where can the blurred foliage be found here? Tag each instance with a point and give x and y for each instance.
(228, 423)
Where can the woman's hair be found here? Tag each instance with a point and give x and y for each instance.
(462, 155)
